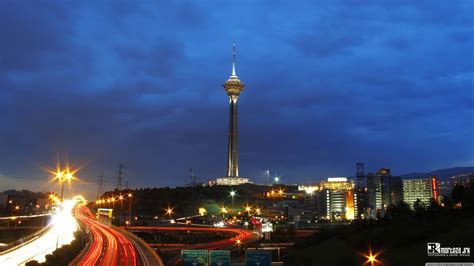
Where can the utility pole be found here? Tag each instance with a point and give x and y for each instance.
(119, 180)
(193, 178)
(100, 190)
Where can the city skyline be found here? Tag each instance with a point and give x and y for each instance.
(335, 91)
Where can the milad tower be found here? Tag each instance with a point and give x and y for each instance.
(233, 87)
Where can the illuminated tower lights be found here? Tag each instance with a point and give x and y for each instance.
(233, 87)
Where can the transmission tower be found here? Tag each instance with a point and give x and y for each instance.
(193, 178)
(119, 179)
(100, 190)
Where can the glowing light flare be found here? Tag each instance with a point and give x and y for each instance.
(257, 211)
(63, 174)
(224, 210)
(169, 211)
(372, 258)
(248, 209)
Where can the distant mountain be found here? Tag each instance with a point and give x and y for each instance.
(441, 173)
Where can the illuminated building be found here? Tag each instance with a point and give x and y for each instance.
(383, 190)
(361, 190)
(338, 200)
(310, 204)
(229, 181)
(423, 189)
(233, 87)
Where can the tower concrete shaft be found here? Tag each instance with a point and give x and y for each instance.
(233, 87)
(232, 160)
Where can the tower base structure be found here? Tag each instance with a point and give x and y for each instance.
(229, 181)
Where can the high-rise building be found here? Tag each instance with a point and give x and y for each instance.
(360, 190)
(337, 199)
(233, 87)
(360, 175)
(310, 202)
(383, 190)
(423, 189)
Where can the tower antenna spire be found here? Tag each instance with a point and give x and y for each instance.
(233, 61)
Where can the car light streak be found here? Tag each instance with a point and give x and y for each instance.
(108, 246)
(61, 232)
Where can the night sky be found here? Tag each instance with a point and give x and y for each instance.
(327, 85)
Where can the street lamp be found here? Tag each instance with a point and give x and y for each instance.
(238, 242)
(223, 211)
(280, 192)
(169, 212)
(372, 258)
(130, 210)
(268, 177)
(276, 179)
(62, 177)
(232, 194)
(248, 209)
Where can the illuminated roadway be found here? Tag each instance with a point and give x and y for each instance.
(58, 233)
(112, 246)
(24, 216)
(245, 237)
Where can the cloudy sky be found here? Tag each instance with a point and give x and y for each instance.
(328, 84)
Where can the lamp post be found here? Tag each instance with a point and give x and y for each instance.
(232, 194)
(62, 177)
(268, 177)
(130, 210)
(169, 212)
(276, 179)
(156, 225)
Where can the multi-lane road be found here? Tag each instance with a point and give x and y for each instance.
(59, 232)
(111, 245)
(241, 237)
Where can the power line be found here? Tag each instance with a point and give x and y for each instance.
(100, 190)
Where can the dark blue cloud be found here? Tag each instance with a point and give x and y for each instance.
(327, 85)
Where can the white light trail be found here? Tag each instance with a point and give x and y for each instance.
(61, 232)
(24, 216)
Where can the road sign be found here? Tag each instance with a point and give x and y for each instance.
(258, 258)
(105, 215)
(195, 257)
(219, 258)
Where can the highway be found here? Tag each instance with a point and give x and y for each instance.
(58, 233)
(242, 235)
(24, 216)
(112, 246)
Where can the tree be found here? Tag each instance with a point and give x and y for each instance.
(419, 207)
(457, 194)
